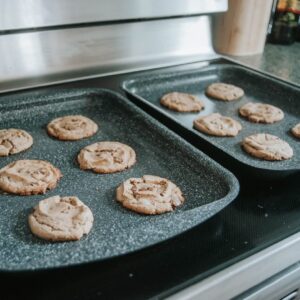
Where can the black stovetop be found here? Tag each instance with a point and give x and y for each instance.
(263, 214)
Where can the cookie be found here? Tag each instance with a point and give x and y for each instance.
(106, 157)
(71, 128)
(61, 219)
(224, 91)
(149, 195)
(14, 141)
(296, 130)
(218, 125)
(29, 177)
(267, 146)
(261, 113)
(182, 102)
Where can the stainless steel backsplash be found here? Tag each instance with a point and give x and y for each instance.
(48, 56)
(20, 14)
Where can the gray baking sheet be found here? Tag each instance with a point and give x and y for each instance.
(206, 185)
(258, 88)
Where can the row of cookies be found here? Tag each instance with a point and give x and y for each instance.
(262, 145)
(67, 218)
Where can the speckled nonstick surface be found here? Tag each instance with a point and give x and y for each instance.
(207, 186)
(258, 88)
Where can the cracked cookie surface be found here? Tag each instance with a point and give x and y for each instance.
(261, 113)
(106, 157)
(70, 128)
(14, 141)
(29, 177)
(267, 146)
(217, 125)
(149, 195)
(61, 219)
(182, 102)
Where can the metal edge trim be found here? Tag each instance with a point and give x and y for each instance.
(245, 274)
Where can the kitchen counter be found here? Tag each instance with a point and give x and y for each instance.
(279, 60)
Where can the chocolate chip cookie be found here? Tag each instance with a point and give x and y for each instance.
(224, 91)
(29, 177)
(261, 113)
(61, 219)
(182, 102)
(149, 195)
(217, 125)
(267, 146)
(71, 128)
(14, 141)
(106, 157)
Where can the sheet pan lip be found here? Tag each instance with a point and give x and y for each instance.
(229, 178)
(222, 61)
(125, 86)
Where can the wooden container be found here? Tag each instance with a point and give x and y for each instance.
(242, 29)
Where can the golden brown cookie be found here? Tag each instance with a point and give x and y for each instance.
(14, 141)
(70, 128)
(29, 177)
(267, 146)
(224, 91)
(149, 195)
(296, 130)
(261, 113)
(61, 219)
(106, 157)
(218, 125)
(182, 102)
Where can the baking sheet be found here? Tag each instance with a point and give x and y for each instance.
(207, 186)
(258, 88)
